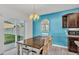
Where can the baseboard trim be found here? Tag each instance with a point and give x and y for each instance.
(59, 46)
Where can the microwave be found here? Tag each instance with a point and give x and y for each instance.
(73, 32)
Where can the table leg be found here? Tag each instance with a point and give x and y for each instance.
(18, 49)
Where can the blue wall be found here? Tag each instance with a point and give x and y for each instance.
(59, 35)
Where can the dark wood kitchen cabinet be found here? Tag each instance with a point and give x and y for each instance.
(70, 20)
(64, 21)
(71, 44)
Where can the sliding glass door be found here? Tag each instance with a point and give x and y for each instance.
(13, 32)
(20, 30)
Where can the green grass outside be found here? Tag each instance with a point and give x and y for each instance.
(10, 38)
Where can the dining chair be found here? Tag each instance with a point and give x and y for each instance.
(26, 50)
(35, 51)
(30, 51)
(45, 48)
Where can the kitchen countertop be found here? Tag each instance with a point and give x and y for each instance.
(76, 36)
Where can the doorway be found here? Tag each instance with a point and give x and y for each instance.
(14, 30)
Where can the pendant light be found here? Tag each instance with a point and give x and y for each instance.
(34, 16)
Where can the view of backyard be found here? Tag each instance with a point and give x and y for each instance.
(11, 29)
(10, 38)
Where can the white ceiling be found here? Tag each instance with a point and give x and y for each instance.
(27, 9)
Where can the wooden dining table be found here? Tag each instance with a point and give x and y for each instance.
(35, 42)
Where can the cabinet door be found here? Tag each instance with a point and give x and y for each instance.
(71, 45)
(72, 21)
(78, 20)
(64, 21)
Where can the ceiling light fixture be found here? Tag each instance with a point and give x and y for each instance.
(34, 15)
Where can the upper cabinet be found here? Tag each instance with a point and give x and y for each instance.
(64, 21)
(70, 20)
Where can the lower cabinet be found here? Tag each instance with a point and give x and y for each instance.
(71, 44)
